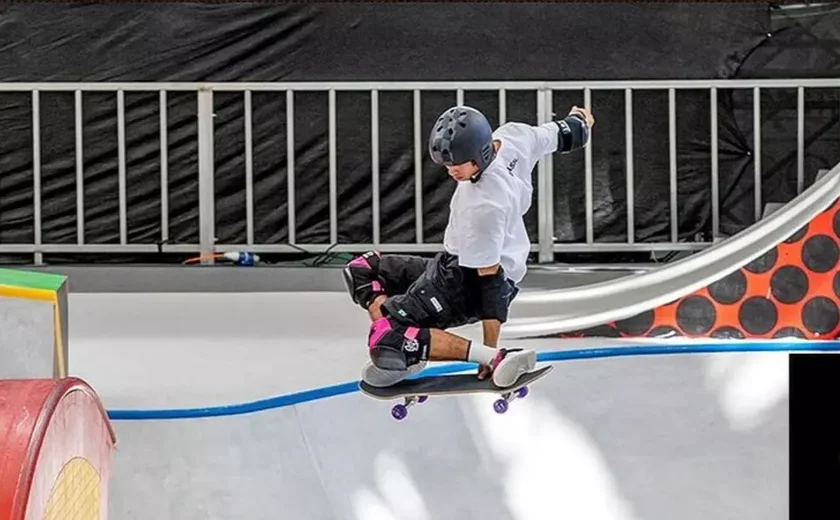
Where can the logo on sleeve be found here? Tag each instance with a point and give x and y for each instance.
(512, 165)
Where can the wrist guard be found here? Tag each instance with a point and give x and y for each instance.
(574, 134)
(496, 296)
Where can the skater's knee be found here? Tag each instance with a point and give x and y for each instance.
(375, 376)
(393, 346)
(362, 279)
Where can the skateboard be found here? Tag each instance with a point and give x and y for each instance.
(417, 391)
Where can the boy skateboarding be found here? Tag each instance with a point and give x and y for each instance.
(412, 300)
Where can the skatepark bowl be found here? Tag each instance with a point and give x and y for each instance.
(246, 405)
(629, 431)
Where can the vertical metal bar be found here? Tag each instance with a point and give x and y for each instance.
(418, 169)
(672, 163)
(206, 174)
(36, 172)
(164, 169)
(628, 143)
(249, 169)
(548, 188)
(459, 97)
(588, 184)
(80, 172)
(290, 162)
(800, 140)
(333, 168)
(541, 175)
(121, 166)
(502, 106)
(545, 204)
(374, 159)
(715, 165)
(757, 152)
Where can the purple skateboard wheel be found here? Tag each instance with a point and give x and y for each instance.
(522, 392)
(399, 411)
(422, 399)
(500, 406)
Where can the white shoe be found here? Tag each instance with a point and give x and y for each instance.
(510, 364)
(375, 376)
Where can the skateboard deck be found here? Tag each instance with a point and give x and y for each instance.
(417, 391)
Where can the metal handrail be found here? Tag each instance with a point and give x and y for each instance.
(544, 244)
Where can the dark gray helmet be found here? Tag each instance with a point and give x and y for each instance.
(462, 134)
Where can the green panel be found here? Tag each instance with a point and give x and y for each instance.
(31, 280)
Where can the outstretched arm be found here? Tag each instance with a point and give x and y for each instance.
(574, 130)
(565, 135)
(491, 327)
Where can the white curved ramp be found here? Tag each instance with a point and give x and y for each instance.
(618, 439)
(563, 310)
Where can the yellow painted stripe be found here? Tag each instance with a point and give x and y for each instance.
(26, 293)
(59, 341)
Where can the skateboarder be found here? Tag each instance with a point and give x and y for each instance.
(412, 300)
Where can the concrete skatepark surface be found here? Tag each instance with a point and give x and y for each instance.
(692, 437)
(671, 436)
(584, 445)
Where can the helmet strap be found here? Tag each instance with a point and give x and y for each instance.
(477, 176)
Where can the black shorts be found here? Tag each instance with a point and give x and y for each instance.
(431, 292)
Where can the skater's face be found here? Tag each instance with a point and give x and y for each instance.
(462, 172)
(466, 171)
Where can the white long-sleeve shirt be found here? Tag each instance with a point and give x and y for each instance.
(486, 219)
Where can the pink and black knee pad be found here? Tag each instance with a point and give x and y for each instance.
(394, 346)
(362, 280)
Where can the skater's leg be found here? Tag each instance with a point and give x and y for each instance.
(396, 347)
(372, 277)
(439, 299)
(398, 273)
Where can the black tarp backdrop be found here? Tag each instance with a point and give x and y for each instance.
(381, 42)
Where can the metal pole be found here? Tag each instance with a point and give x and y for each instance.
(418, 169)
(206, 210)
(715, 165)
(331, 108)
(80, 171)
(588, 179)
(545, 202)
(757, 152)
(249, 169)
(672, 164)
(36, 173)
(164, 169)
(628, 139)
(121, 167)
(800, 140)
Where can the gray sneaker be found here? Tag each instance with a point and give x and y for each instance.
(510, 364)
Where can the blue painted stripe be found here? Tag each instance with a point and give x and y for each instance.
(451, 368)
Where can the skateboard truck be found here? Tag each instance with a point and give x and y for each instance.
(501, 405)
(399, 411)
